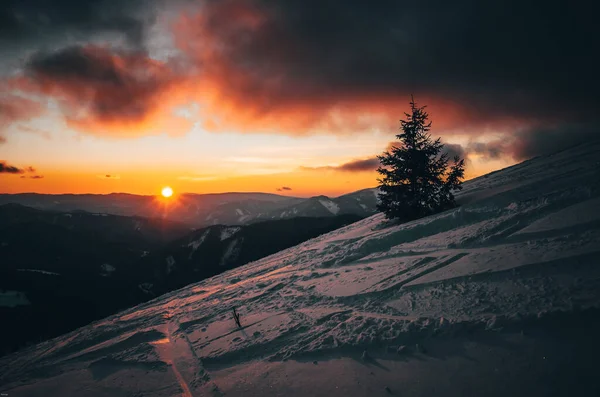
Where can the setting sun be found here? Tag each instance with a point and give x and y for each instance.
(167, 191)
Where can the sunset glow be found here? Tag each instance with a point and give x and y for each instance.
(203, 196)
(167, 192)
(253, 96)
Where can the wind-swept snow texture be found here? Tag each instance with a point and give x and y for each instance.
(496, 298)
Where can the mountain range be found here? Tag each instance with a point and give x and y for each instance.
(199, 210)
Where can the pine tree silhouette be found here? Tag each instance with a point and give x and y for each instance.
(417, 180)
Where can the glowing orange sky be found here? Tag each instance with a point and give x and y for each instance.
(302, 183)
(135, 121)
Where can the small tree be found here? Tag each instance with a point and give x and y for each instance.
(236, 318)
(417, 179)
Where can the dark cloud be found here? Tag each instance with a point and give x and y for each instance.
(530, 142)
(109, 176)
(110, 84)
(521, 145)
(369, 164)
(372, 163)
(100, 88)
(453, 150)
(303, 65)
(33, 177)
(283, 188)
(473, 61)
(489, 150)
(544, 141)
(33, 21)
(9, 169)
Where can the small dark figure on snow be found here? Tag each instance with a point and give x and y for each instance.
(236, 318)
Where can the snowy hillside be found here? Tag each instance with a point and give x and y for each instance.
(498, 297)
(55, 266)
(207, 252)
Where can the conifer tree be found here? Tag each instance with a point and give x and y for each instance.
(416, 178)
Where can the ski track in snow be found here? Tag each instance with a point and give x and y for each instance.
(524, 243)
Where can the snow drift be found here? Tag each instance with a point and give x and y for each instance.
(497, 297)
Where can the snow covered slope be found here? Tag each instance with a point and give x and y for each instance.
(496, 298)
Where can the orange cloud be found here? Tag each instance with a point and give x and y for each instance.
(243, 66)
(15, 108)
(286, 68)
(108, 92)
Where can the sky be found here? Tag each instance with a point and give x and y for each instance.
(295, 97)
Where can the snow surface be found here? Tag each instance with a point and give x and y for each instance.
(197, 243)
(460, 303)
(170, 264)
(12, 299)
(330, 205)
(39, 271)
(244, 218)
(231, 252)
(146, 287)
(291, 212)
(107, 269)
(229, 232)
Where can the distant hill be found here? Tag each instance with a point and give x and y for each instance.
(362, 202)
(200, 210)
